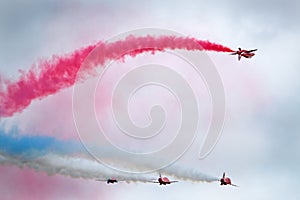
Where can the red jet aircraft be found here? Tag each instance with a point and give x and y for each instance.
(164, 180)
(110, 180)
(226, 181)
(244, 53)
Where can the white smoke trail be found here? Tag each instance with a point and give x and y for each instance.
(81, 167)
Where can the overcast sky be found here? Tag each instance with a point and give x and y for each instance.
(259, 147)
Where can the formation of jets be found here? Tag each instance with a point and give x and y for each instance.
(224, 180)
(166, 181)
(244, 53)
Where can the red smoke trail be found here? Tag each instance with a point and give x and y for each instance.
(50, 76)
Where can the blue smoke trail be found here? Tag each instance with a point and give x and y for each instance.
(53, 156)
(28, 146)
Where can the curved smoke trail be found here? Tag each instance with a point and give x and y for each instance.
(50, 76)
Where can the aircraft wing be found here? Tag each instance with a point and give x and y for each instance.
(252, 50)
(174, 181)
(153, 181)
